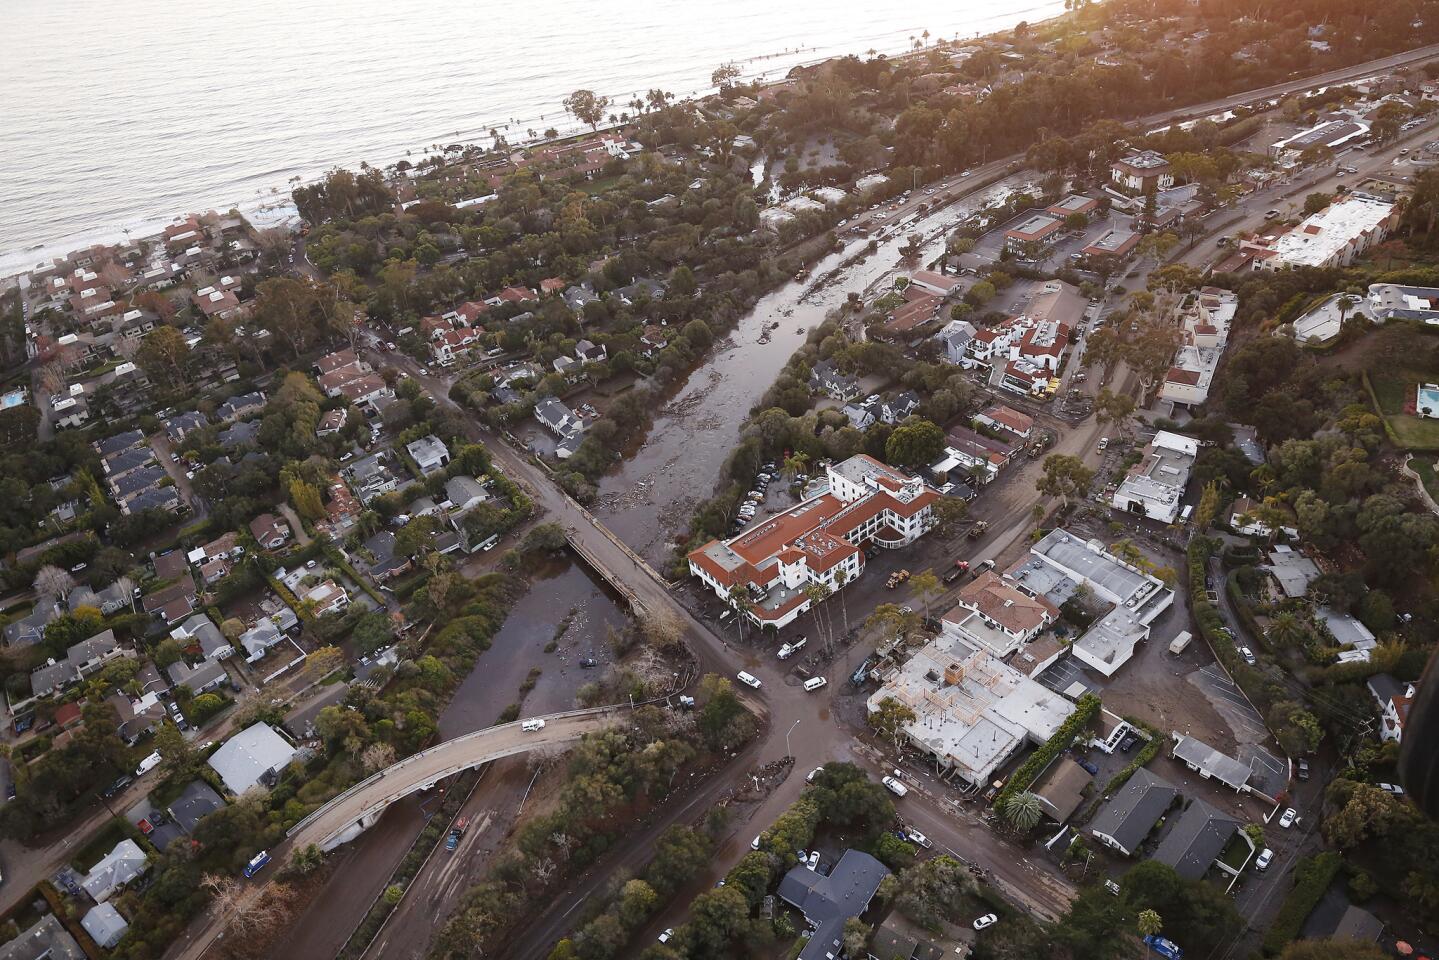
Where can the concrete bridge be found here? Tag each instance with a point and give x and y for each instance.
(352, 812)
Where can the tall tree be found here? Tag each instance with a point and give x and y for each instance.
(587, 107)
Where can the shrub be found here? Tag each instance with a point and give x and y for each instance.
(1311, 878)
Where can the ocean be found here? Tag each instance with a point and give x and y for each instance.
(120, 116)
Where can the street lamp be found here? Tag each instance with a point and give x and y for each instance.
(786, 738)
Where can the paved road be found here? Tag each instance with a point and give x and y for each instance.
(427, 767)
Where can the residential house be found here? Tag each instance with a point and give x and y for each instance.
(899, 407)
(119, 442)
(429, 453)
(327, 597)
(253, 757)
(81, 660)
(1125, 821)
(215, 558)
(200, 631)
(28, 631)
(387, 564)
(1154, 487)
(1391, 301)
(239, 434)
(343, 374)
(204, 676)
(464, 493)
(1205, 327)
(332, 422)
(173, 603)
(1060, 789)
(1007, 420)
(863, 413)
(825, 377)
(1394, 699)
(104, 925)
(270, 531)
(196, 802)
(244, 405)
(259, 639)
(954, 339)
(557, 418)
(827, 902)
(371, 477)
(993, 613)
(1193, 844)
(46, 939)
(918, 309)
(1210, 764)
(178, 427)
(587, 352)
(117, 868)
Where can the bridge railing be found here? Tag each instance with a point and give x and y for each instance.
(445, 746)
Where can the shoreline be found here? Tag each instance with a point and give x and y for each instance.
(276, 201)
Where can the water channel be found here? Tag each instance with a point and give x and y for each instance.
(649, 499)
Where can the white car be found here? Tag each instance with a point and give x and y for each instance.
(1248, 656)
(748, 680)
(532, 725)
(988, 920)
(1103, 442)
(894, 786)
(810, 777)
(914, 836)
(1265, 858)
(665, 937)
(1393, 788)
(814, 683)
(1286, 820)
(754, 844)
(813, 861)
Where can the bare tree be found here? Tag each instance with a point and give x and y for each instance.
(53, 583)
(126, 586)
(377, 756)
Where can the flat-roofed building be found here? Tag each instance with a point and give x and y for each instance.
(1333, 237)
(1155, 486)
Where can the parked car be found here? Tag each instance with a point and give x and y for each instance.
(1393, 788)
(532, 725)
(809, 777)
(1286, 820)
(1303, 769)
(665, 937)
(1248, 656)
(988, 920)
(894, 786)
(1087, 765)
(814, 683)
(1265, 858)
(914, 836)
(754, 844)
(1103, 443)
(748, 680)
(257, 863)
(813, 861)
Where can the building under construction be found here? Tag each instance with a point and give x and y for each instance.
(972, 711)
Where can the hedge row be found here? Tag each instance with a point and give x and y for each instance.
(1312, 876)
(1084, 711)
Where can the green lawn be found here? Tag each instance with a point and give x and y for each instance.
(1424, 466)
(101, 844)
(1394, 392)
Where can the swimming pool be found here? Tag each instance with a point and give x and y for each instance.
(1426, 403)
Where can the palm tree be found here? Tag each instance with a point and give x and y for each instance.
(795, 464)
(1285, 629)
(1023, 811)
(1344, 304)
(817, 594)
(1149, 923)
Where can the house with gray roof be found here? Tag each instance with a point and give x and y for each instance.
(1210, 764)
(46, 940)
(120, 441)
(28, 631)
(557, 418)
(241, 434)
(104, 925)
(1193, 844)
(828, 901)
(252, 757)
(241, 406)
(207, 675)
(464, 493)
(826, 378)
(178, 427)
(156, 498)
(196, 802)
(117, 868)
(199, 630)
(259, 639)
(429, 453)
(127, 461)
(1124, 822)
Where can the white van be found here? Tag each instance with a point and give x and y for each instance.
(748, 680)
(148, 764)
(533, 724)
(814, 683)
(894, 786)
(1181, 642)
